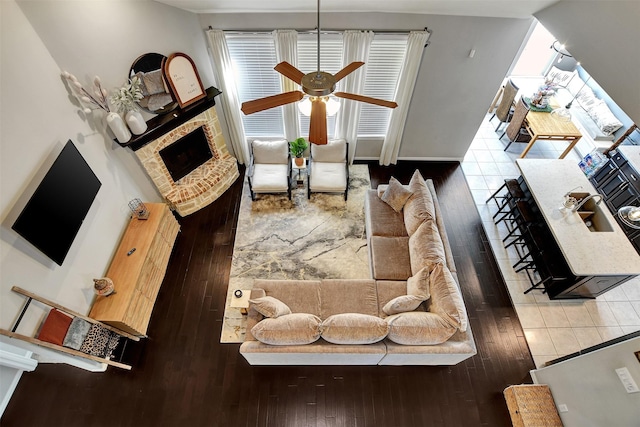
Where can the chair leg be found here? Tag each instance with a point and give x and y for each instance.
(507, 147)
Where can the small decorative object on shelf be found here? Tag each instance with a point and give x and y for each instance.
(182, 75)
(297, 148)
(118, 127)
(138, 208)
(125, 99)
(103, 287)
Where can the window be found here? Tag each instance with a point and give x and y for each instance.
(386, 57)
(330, 62)
(253, 57)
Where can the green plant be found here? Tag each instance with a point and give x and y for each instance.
(126, 97)
(297, 147)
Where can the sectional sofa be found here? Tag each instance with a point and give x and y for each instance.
(410, 312)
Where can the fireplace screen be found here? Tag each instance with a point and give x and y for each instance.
(186, 154)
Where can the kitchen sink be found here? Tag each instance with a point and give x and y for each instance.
(592, 213)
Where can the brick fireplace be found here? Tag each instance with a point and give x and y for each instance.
(207, 181)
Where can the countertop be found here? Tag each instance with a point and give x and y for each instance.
(587, 253)
(632, 154)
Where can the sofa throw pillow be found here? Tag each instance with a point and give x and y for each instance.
(290, 329)
(55, 327)
(335, 151)
(270, 152)
(270, 307)
(446, 299)
(418, 284)
(419, 207)
(402, 304)
(418, 328)
(604, 118)
(426, 248)
(396, 195)
(353, 328)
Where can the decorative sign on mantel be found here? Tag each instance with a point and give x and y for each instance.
(182, 75)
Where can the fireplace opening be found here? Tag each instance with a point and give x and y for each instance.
(186, 154)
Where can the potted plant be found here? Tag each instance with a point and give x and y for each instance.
(125, 99)
(297, 148)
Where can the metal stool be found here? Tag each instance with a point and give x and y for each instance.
(502, 200)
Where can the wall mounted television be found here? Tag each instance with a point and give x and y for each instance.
(53, 215)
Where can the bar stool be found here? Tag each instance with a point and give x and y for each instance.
(521, 217)
(547, 261)
(502, 200)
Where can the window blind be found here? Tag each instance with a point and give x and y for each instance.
(253, 57)
(386, 57)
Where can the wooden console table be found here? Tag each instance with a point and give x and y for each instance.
(137, 274)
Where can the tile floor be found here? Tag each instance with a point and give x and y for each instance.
(552, 328)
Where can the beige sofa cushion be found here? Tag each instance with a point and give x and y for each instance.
(446, 299)
(290, 329)
(425, 247)
(302, 296)
(339, 296)
(381, 219)
(396, 195)
(418, 284)
(390, 258)
(270, 307)
(418, 328)
(419, 207)
(354, 328)
(402, 304)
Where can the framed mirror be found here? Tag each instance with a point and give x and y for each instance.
(157, 95)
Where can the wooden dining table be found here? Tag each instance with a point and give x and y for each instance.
(547, 126)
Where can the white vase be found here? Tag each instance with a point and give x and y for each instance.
(117, 126)
(136, 122)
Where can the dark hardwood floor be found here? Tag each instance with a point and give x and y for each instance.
(183, 376)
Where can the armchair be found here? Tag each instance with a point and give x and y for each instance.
(269, 169)
(329, 168)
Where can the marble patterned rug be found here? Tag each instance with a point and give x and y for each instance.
(278, 238)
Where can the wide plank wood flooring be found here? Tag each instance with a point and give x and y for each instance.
(183, 376)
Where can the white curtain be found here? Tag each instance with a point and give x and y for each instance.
(404, 92)
(286, 42)
(356, 45)
(223, 73)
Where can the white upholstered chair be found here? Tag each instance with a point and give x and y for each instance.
(329, 168)
(269, 168)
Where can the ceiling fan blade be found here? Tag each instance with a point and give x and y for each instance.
(261, 104)
(318, 123)
(289, 71)
(347, 70)
(367, 99)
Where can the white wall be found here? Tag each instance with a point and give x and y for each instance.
(589, 386)
(603, 36)
(453, 92)
(40, 38)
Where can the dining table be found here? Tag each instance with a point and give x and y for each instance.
(543, 125)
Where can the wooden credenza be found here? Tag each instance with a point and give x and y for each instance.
(137, 275)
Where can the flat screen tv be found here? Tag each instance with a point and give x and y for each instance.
(186, 154)
(53, 215)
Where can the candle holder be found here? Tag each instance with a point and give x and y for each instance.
(138, 209)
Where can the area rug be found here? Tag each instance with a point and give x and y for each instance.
(278, 238)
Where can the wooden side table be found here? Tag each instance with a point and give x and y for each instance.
(531, 405)
(241, 302)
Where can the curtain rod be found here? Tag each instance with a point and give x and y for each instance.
(325, 31)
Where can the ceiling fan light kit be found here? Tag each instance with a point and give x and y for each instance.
(318, 85)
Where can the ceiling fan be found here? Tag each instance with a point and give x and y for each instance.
(318, 85)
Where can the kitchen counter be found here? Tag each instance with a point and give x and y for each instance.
(632, 154)
(587, 253)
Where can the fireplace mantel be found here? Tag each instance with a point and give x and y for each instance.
(162, 124)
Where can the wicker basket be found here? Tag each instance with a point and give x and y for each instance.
(531, 405)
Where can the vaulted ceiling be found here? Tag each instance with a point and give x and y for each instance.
(495, 8)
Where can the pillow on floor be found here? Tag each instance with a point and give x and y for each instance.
(402, 304)
(354, 328)
(270, 307)
(419, 328)
(290, 329)
(396, 195)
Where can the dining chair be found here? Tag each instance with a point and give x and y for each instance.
(329, 168)
(516, 131)
(504, 108)
(269, 168)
